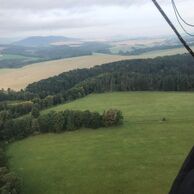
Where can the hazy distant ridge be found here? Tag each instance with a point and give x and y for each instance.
(37, 41)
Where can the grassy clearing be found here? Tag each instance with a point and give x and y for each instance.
(140, 157)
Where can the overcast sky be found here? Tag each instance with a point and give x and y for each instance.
(89, 19)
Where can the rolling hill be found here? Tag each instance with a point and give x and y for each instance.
(39, 41)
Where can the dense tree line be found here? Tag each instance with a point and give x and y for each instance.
(162, 68)
(19, 109)
(9, 95)
(9, 182)
(131, 82)
(15, 110)
(56, 122)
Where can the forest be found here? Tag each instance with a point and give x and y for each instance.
(169, 72)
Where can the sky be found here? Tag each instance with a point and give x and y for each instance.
(88, 19)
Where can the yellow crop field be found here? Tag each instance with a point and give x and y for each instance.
(19, 78)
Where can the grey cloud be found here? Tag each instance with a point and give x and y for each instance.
(29, 24)
(34, 16)
(63, 4)
(66, 4)
(47, 20)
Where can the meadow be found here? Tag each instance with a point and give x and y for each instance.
(19, 78)
(142, 156)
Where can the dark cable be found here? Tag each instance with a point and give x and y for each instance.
(178, 13)
(173, 28)
(177, 17)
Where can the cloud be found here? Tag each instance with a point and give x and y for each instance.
(64, 4)
(55, 19)
(85, 18)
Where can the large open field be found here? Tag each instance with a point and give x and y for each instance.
(19, 78)
(141, 157)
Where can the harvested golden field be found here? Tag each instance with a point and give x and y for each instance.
(19, 78)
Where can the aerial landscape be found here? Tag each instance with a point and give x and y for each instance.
(96, 97)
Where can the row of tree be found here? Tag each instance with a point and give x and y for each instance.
(56, 122)
(18, 109)
(9, 182)
(7, 95)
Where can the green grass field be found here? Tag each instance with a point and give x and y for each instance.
(141, 157)
(15, 57)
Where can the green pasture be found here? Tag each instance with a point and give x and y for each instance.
(142, 156)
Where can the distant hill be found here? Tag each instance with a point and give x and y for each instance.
(39, 41)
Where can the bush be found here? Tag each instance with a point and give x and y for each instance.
(9, 182)
(112, 117)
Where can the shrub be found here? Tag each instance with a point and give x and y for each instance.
(9, 182)
(112, 117)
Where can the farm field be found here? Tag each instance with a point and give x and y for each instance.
(8, 61)
(19, 78)
(8, 56)
(141, 157)
(165, 52)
